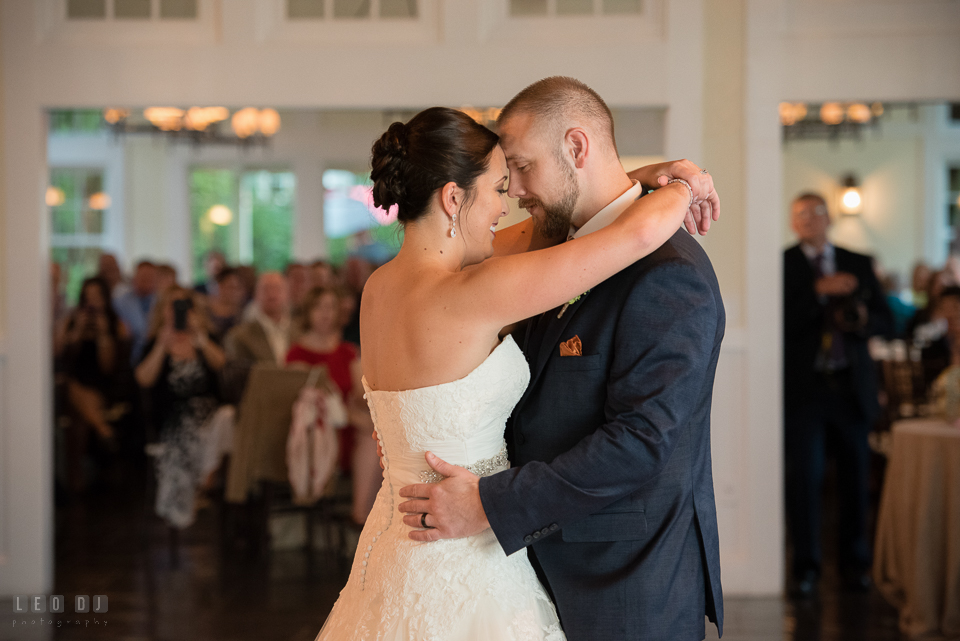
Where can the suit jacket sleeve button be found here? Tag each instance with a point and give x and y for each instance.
(554, 527)
(527, 538)
(537, 535)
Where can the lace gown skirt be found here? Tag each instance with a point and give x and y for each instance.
(453, 590)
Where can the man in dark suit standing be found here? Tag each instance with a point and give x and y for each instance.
(832, 304)
(612, 486)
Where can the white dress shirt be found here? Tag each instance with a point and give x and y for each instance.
(609, 213)
(829, 265)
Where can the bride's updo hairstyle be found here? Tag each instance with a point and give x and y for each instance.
(411, 161)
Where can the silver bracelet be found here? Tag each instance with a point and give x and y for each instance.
(685, 183)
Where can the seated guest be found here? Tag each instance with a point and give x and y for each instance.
(227, 305)
(944, 325)
(321, 343)
(265, 337)
(134, 306)
(900, 305)
(248, 275)
(299, 282)
(180, 368)
(919, 283)
(109, 270)
(91, 346)
(213, 264)
(919, 327)
(356, 271)
(322, 274)
(166, 278)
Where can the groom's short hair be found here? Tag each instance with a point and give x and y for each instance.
(559, 100)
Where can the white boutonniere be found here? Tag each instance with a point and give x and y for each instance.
(571, 302)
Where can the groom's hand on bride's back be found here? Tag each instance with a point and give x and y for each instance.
(452, 506)
(706, 202)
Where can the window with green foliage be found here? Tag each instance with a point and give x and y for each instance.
(78, 209)
(351, 222)
(75, 120)
(247, 215)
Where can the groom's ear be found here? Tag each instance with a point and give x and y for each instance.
(578, 145)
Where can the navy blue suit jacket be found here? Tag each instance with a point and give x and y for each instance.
(612, 483)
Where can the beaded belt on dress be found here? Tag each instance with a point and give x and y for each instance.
(483, 467)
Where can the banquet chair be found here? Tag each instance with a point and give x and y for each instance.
(258, 477)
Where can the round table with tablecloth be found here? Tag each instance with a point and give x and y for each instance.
(917, 552)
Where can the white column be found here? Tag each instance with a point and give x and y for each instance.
(26, 431)
(764, 299)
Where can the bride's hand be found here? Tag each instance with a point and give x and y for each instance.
(452, 507)
(706, 202)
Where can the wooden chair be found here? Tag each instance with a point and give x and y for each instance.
(258, 464)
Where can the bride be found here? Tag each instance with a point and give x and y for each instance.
(439, 378)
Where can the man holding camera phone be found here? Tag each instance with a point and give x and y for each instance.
(833, 304)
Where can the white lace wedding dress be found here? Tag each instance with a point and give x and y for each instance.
(452, 590)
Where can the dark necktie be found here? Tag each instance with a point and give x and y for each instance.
(833, 351)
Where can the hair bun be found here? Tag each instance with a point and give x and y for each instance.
(387, 166)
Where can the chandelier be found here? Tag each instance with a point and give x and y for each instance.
(830, 120)
(199, 125)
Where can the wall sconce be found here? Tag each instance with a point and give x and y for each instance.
(220, 215)
(851, 200)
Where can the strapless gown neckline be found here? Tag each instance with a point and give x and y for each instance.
(506, 340)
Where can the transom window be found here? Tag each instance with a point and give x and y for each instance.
(78, 207)
(552, 8)
(132, 9)
(351, 9)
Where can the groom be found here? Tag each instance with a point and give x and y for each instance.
(612, 487)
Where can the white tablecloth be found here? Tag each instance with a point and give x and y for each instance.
(917, 552)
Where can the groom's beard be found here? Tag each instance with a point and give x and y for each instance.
(555, 221)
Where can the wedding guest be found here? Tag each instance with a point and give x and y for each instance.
(924, 327)
(248, 274)
(920, 282)
(92, 347)
(349, 312)
(321, 343)
(832, 304)
(356, 271)
(901, 306)
(213, 264)
(299, 281)
(109, 270)
(227, 305)
(166, 278)
(322, 274)
(265, 337)
(134, 306)
(58, 301)
(940, 346)
(180, 368)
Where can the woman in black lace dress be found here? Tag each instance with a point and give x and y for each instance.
(180, 368)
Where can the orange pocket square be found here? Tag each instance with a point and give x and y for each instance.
(572, 347)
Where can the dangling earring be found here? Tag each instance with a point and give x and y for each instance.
(453, 227)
